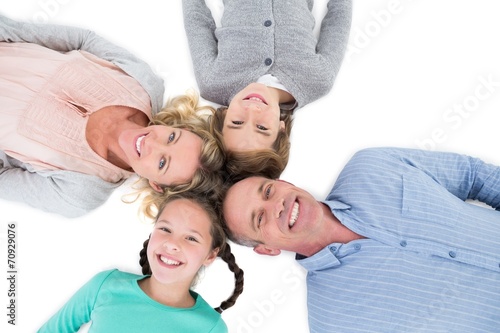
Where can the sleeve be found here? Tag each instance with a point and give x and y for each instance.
(77, 311)
(334, 33)
(200, 31)
(463, 176)
(68, 193)
(65, 38)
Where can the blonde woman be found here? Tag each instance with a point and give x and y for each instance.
(79, 115)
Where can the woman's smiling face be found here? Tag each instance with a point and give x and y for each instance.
(165, 155)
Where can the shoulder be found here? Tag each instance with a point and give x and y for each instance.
(104, 275)
(380, 159)
(116, 275)
(207, 313)
(370, 170)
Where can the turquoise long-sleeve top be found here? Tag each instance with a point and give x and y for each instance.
(113, 301)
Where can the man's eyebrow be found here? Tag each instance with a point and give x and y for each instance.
(253, 215)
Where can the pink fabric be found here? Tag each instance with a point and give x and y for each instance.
(45, 100)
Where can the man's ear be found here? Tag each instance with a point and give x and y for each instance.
(267, 251)
(155, 186)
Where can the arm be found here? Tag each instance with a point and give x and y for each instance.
(65, 38)
(464, 176)
(200, 31)
(334, 33)
(68, 193)
(77, 311)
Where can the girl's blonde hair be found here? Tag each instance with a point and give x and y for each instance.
(185, 112)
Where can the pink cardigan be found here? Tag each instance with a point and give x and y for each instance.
(46, 102)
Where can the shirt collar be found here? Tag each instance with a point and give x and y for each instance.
(324, 259)
(336, 205)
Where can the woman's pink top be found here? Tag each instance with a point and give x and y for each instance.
(45, 100)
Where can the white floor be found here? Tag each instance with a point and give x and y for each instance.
(420, 73)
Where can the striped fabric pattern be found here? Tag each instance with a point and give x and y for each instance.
(431, 260)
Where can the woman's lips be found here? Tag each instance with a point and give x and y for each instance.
(138, 144)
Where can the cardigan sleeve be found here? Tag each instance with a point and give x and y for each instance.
(65, 38)
(200, 31)
(334, 34)
(68, 193)
(77, 311)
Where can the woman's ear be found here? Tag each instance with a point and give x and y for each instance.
(155, 186)
(267, 251)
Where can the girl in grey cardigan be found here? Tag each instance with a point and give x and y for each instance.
(264, 60)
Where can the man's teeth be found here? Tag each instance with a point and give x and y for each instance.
(138, 144)
(169, 261)
(294, 215)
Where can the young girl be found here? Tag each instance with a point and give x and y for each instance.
(263, 62)
(187, 235)
(75, 117)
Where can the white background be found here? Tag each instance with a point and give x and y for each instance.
(409, 67)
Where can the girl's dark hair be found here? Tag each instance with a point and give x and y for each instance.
(207, 202)
(270, 162)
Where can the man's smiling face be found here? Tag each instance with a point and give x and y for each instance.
(275, 214)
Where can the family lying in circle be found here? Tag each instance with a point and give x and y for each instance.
(80, 115)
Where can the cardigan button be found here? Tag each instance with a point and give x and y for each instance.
(268, 61)
(268, 23)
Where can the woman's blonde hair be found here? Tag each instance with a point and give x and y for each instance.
(264, 162)
(185, 112)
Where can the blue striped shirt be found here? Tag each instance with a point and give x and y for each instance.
(431, 260)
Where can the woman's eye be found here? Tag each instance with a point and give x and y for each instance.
(190, 238)
(162, 163)
(165, 229)
(237, 122)
(262, 128)
(171, 137)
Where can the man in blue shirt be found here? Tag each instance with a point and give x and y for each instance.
(397, 246)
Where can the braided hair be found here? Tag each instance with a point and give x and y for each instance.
(219, 241)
